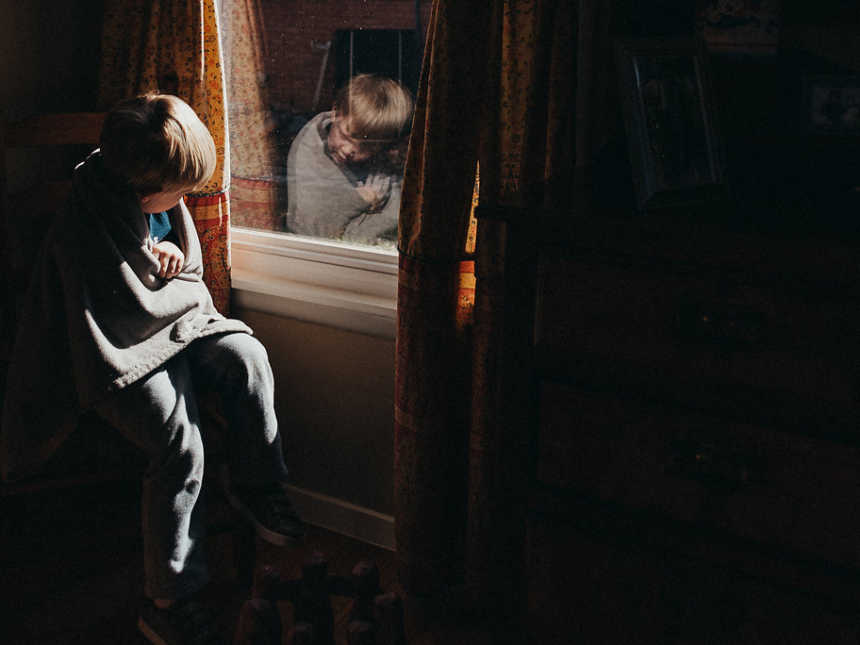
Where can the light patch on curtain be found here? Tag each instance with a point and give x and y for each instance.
(472, 233)
(466, 273)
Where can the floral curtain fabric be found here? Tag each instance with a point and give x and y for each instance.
(528, 149)
(433, 350)
(254, 154)
(172, 46)
(498, 88)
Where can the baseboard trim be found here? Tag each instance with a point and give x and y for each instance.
(344, 517)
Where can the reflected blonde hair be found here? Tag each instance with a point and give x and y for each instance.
(379, 108)
(157, 143)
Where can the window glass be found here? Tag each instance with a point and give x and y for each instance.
(320, 96)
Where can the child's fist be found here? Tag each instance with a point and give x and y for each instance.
(375, 190)
(170, 259)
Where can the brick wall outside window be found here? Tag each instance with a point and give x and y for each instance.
(293, 64)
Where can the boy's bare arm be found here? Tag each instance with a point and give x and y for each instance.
(170, 259)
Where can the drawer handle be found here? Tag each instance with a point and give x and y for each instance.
(721, 324)
(717, 468)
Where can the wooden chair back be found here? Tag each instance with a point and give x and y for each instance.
(37, 156)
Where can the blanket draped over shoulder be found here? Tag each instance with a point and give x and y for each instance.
(97, 317)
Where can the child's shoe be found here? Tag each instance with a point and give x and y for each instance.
(268, 508)
(186, 622)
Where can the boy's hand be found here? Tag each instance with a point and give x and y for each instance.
(375, 190)
(170, 258)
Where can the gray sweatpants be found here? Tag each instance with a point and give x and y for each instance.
(159, 413)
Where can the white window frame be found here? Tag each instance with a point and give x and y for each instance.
(322, 281)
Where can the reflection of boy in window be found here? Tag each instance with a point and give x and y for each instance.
(344, 168)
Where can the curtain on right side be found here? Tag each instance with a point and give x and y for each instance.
(512, 83)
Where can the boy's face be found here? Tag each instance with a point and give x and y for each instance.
(343, 147)
(164, 201)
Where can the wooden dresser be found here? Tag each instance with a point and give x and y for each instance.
(696, 440)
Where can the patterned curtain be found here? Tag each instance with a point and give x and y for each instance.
(528, 153)
(253, 146)
(435, 295)
(499, 87)
(172, 46)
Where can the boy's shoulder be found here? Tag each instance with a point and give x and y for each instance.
(310, 141)
(315, 131)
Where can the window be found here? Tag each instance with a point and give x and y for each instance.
(320, 105)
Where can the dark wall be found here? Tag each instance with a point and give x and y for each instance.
(49, 55)
(49, 61)
(775, 170)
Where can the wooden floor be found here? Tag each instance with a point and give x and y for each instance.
(71, 568)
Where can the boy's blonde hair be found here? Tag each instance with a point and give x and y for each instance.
(379, 108)
(157, 143)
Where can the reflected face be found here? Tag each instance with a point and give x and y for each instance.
(164, 201)
(344, 147)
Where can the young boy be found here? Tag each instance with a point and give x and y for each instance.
(344, 167)
(118, 320)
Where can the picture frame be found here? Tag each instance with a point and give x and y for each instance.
(734, 28)
(831, 106)
(675, 150)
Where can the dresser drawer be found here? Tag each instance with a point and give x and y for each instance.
(702, 327)
(747, 480)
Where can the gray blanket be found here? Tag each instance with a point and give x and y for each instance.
(97, 316)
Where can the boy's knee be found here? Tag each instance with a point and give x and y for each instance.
(254, 351)
(250, 362)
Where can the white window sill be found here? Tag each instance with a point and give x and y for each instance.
(320, 281)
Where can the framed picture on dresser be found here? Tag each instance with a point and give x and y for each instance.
(831, 105)
(675, 151)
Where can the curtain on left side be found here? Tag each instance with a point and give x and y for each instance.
(254, 155)
(172, 46)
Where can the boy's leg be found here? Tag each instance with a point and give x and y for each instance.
(159, 414)
(236, 366)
